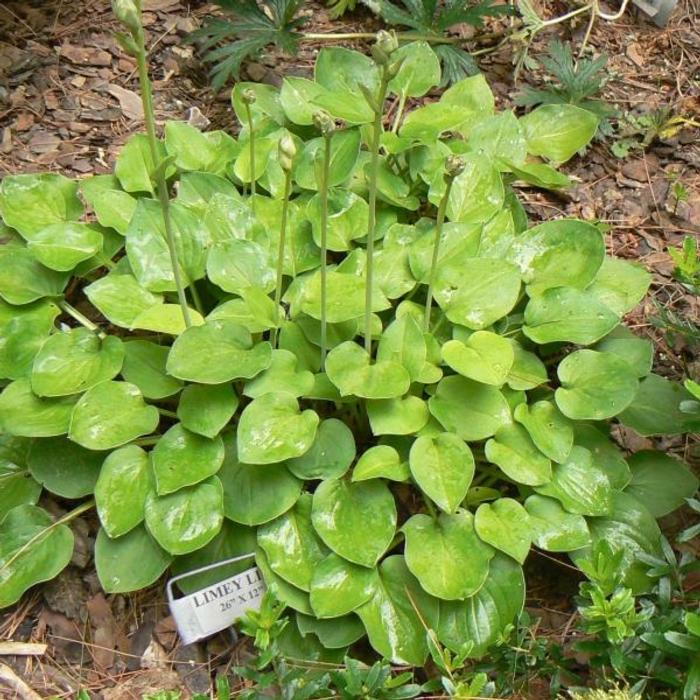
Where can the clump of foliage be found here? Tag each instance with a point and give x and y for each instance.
(340, 347)
(599, 694)
(249, 26)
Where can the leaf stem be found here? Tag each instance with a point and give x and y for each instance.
(80, 318)
(280, 255)
(325, 179)
(436, 252)
(399, 113)
(251, 151)
(430, 508)
(401, 36)
(159, 167)
(372, 186)
(168, 414)
(196, 299)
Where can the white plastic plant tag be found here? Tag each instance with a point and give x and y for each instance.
(216, 607)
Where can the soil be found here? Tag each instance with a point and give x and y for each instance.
(68, 102)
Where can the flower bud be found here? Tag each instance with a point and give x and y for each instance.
(324, 122)
(286, 150)
(248, 96)
(454, 165)
(385, 44)
(127, 13)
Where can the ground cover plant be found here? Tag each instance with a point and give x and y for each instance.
(336, 344)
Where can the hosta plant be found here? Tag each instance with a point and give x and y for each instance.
(341, 347)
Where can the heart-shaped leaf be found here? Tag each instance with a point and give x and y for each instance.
(23, 279)
(606, 454)
(32, 549)
(620, 285)
(356, 520)
(293, 550)
(207, 409)
(418, 72)
(443, 467)
(637, 352)
(381, 462)
(403, 416)
(330, 455)
(281, 375)
(527, 371)
(345, 147)
(517, 456)
(336, 634)
(338, 587)
(186, 520)
(477, 192)
(471, 410)
(17, 487)
(350, 369)
(594, 385)
(553, 528)
(217, 352)
(402, 342)
(485, 357)
(237, 265)
(272, 429)
(290, 595)
(120, 298)
(552, 432)
(505, 525)
(182, 458)
(96, 425)
(348, 216)
(166, 318)
(62, 246)
(121, 489)
(144, 365)
(73, 361)
(445, 554)
(135, 166)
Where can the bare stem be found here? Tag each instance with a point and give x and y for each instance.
(325, 178)
(280, 255)
(80, 318)
(251, 146)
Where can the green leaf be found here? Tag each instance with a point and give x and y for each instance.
(17, 487)
(291, 545)
(336, 634)
(24, 280)
(445, 554)
(580, 485)
(120, 298)
(380, 461)
(349, 368)
(210, 152)
(166, 318)
(290, 595)
(485, 357)
(73, 361)
(217, 352)
(62, 246)
(637, 352)
(403, 416)
(297, 96)
(553, 528)
(483, 618)
(606, 454)
(594, 385)
(655, 408)
(182, 458)
(338, 587)
(348, 216)
(188, 519)
(267, 103)
(428, 122)
(443, 467)
(402, 342)
(207, 410)
(255, 495)
(342, 70)
(620, 285)
(272, 429)
(238, 265)
(476, 292)
(356, 520)
(23, 330)
(29, 203)
(281, 375)
(500, 137)
(528, 371)
(558, 131)
(632, 530)
(474, 97)
(135, 167)
(120, 492)
(23, 413)
(505, 525)
(345, 148)
(394, 627)
(517, 456)
(477, 192)
(113, 207)
(198, 188)
(471, 410)
(552, 432)
(129, 563)
(660, 482)
(144, 365)
(419, 70)
(96, 425)
(330, 455)
(566, 252)
(63, 467)
(32, 549)
(569, 315)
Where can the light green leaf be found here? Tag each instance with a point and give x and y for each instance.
(185, 521)
(477, 192)
(238, 265)
(120, 298)
(528, 371)
(402, 416)
(166, 318)
(553, 528)
(402, 342)
(338, 587)
(445, 554)
(471, 410)
(290, 595)
(198, 188)
(24, 280)
(620, 285)
(419, 70)
(335, 634)
(345, 147)
(605, 452)
(660, 482)
(281, 375)
(348, 216)
(356, 520)
(499, 137)
(505, 525)
(120, 492)
(428, 122)
(17, 487)
(62, 246)
(474, 97)
(144, 365)
(330, 455)
(518, 458)
(206, 410)
(380, 461)
(297, 96)
(342, 70)
(210, 152)
(272, 429)
(348, 367)
(484, 356)
(217, 352)
(637, 352)
(594, 385)
(113, 208)
(96, 425)
(443, 467)
(552, 432)
(71, 362)
(135, 167)
(267, 103)
(32, 549)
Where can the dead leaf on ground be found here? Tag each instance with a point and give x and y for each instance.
(85, 55)
(129, 101)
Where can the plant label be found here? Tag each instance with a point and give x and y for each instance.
(215, 607)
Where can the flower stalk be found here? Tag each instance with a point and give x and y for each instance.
(249, 99)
